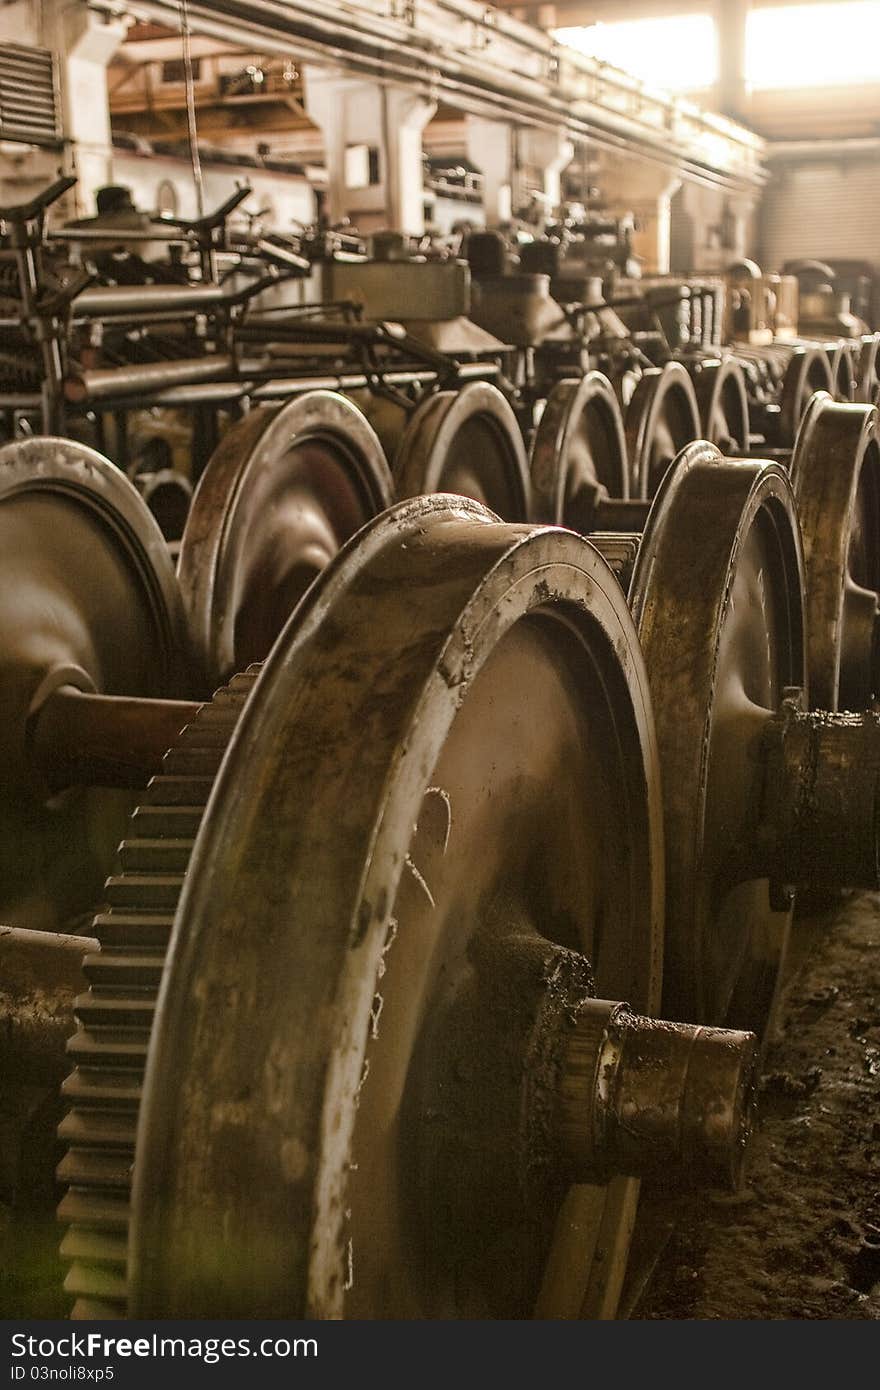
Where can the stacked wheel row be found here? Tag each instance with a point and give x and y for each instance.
(368, 1025)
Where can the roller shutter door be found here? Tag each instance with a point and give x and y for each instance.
(829, 209)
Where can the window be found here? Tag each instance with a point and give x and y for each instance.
(361, 166)
(174, 70)
(823, 45)
(679, 53)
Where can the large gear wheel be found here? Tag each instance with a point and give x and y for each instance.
(115, 1015)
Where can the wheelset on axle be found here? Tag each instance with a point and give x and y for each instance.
(716, 582)
(392, 1070)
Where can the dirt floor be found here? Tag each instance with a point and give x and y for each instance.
(802, 1240)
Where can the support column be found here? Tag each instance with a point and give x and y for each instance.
(85, 42)
(373, 148)
(551, 152)
(730, 18)
(631, 185)
(490, 149)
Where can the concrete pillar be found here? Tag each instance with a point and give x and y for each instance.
(730, 18)
(372, 147)
(630, 184)
(551, 152)
(490, 149)
(85, 41)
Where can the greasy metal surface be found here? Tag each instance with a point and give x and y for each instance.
(809, 370)
(724, 409)
(466, 442)
(643, 1095)
(115, 1016)
(835, 473)
(88, 598)
(578, 454)
(821, 814)
(283, 491)
(661, 419)
(460, 737)
(716, 595)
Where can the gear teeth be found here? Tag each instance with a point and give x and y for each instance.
(163, 855)
(115, 1015)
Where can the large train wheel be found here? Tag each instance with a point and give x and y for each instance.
(716, 594)
(808, 371)
(835, 473)
(283, 491)
(466, 442)
(88, 599)
(579, 452)
(843, 370)
(868, 389)
(442, 791)
(661, 419)
(724, 408)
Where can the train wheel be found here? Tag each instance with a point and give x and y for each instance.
(724, 409)
(835, 473)
(282, 492)
(661, 419)
(716, 594)
(466, 442)
(843, 370)
(88, 600)
(808, 371)
(579, 452)
(868, 389)
(497, 812)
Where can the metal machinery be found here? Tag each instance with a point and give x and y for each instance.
(479, 800)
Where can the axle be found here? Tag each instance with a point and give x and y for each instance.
(821, 813)
(103, 740)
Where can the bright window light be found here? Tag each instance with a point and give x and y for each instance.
(829, 45)
(679, 53)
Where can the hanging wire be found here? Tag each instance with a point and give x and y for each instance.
(189, 83)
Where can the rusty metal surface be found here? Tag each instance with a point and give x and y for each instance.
(578, 455)
(466, 442)
(716, 595)
(486, 676)
(835, 473)
(88, 598)
(283, 491)
(661, 419)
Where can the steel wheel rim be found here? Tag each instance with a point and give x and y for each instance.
(90, 600)
(285, 489)
(808, 371)
(579, 452)
(315, 1271)
(661, 419)
(466, 442)
(724, 408)
(835, 472)
(732, 600)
